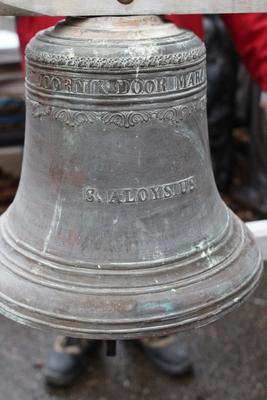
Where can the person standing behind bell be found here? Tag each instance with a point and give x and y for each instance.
(252, 193)
(249, 33)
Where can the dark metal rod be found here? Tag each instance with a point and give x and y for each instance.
(111, 348)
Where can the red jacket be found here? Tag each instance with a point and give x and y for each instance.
(248, 31)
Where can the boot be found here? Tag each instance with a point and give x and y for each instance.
(67, 360)
(169, 354)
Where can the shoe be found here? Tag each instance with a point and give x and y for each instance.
(169, 354)
(67, 360)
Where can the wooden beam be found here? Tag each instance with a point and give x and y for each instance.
(114, 7)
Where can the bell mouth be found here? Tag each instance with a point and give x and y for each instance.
(155, 309)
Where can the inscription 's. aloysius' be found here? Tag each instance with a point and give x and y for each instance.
(140, 195)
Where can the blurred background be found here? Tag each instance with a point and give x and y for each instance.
(12, 111)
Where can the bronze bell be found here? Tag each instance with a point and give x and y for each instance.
(117, 230)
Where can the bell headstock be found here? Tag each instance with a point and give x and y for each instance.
(128, 7)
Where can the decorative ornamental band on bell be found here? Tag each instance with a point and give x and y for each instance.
(117, 230)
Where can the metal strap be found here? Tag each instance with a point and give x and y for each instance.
(116, 7)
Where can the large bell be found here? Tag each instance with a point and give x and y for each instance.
(117, 229)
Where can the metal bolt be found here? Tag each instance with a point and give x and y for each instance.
(125, 1)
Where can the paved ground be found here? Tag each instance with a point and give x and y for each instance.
(230, 359)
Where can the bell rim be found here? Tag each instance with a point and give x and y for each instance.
(135, 333)
(130, 328)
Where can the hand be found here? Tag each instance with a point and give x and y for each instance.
(263, 101)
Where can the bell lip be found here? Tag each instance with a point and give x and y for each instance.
(135, 333)
(157, 325)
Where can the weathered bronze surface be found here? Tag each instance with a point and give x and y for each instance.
(117, 229)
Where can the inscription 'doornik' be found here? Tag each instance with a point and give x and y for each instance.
(140, 195)
(136, 86)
